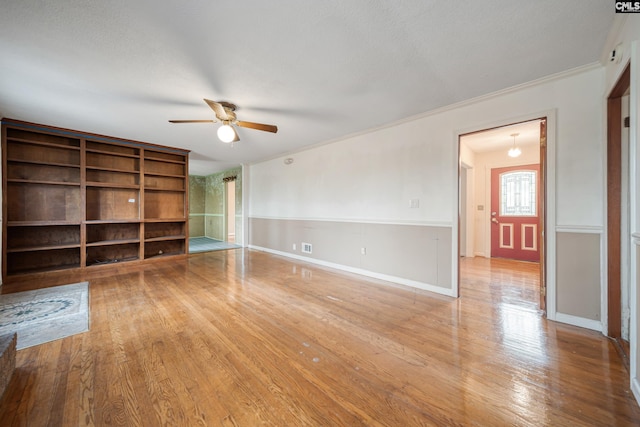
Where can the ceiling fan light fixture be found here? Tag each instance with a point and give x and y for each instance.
(514, 151)
(226, 133)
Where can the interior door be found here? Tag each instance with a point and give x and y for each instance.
(515, 195)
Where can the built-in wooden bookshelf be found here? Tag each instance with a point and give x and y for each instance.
(80, 200)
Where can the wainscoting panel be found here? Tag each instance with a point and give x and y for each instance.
(578, 274)
(420, 253)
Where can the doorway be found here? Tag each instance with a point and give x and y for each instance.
(489, 150)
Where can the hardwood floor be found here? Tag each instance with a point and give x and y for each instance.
(244, 338)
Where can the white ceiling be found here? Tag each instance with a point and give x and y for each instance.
(318, 70)
(528, 133)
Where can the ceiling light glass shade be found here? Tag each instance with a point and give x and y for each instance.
(514, 152)
(226, 133)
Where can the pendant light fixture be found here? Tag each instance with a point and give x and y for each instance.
(514, 151)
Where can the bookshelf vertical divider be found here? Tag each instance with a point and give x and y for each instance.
(75, 200)
(141, 198)
(83, 200)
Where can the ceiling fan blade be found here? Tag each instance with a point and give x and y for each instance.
(192, 121)
(258, 126)
(218, 109)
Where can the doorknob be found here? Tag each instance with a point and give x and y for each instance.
(493, 214)
(495, 220)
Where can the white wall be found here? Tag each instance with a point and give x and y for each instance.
(367, 177)
(372, 176)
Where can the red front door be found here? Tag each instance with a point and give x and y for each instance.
(514, 212)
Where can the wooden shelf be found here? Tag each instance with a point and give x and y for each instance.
(28, 238)
(98, 168)
(166, 190)
(158, 159)
(111, 221)
(41, 260)
(112, 242)
(112, 148)
(72, 201)
(43, 144)
(159, 239)
(34, 270)
(39, 162)
(164, 156)
(30, 181)
(112, 153)
(157, 220)
(164, 248)
(108, 261)
(42, 248)
(39, 223)
(164, 174)
(162, 168)
(49, 153)
(111, 185)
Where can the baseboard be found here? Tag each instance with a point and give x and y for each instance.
(362, 272)
(595, 325)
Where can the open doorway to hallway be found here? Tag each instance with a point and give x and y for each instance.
(502, 195)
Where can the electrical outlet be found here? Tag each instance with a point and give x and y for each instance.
(363, 251)
(306, 248)
(294, 247)
(414, 203)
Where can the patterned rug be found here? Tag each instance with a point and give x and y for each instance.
(45, 314)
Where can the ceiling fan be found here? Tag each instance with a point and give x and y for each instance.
(226, 113)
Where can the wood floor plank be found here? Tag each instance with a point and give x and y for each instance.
(245, 338)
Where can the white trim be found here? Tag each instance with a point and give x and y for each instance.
(595, 325)
(523, 239)
(635, 388)
(587, 229)
(634, 226)
(244, 239)
(455, 219)
(360, 271)
(360, 221)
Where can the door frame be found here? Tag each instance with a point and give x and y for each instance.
(614, 212)
(548, 206)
